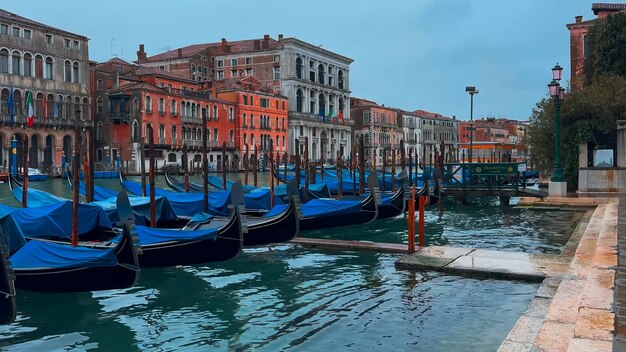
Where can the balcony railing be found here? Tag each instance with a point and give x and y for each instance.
(39, 122)
(317, 118)
(174, 141)
(192, 120)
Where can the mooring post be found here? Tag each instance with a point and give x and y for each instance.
(151, 175)
(142, 160)
(255, 172)
(223, 165)
(185, 162)
(246, 161)
(353, 162)
(25, 170)
(339, 175)
(205, 164)
(307, 168)
(422, 203)
(411, 219)
(411, 167)
(384, 166)
(286, 156)
(297, 164)
(362, 165)
(393, 170)
(75, 189)
(271, 162)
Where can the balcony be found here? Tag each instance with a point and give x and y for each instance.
(120, 116)
(174, 141)
(191, 120)
(305, 116)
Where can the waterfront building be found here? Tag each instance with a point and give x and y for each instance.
(579, 45)
(129, 97)
(494, 132)
(436, 129)
(314, 80)
(44, 85)
(379, 126)
(260, 115)
(411, 127)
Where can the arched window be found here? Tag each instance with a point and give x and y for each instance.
(283, 141)
(341, 105)
(4, 61)
(134, 131)
(245, 138)
(299, 67)
(243, 120)
(340, 79)
(75, 72)
(161, 106)
(50, 106)
(86, 110)
(231, 136)
(77, 110)
(173, 108)
(231, 114)
(215, 117)
(67, 71)
(322, 102)
(48, 72)
(320, 74)
(174, 135)
(99, 130)
(38, 66)
(28, 64)
(252, 140)
(16, 59)
(135, 107)
(17, 102)
(39, 105)
(193, 110)
(299, 100)
(283, 124)
(162, 134)
(148, 104)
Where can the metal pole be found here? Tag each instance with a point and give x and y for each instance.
(557, 175)
(471, 126)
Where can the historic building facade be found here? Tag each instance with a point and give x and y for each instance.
(578, 37)
(129, 97)
(411, 128)
(44, 75)
(317, 83)
(261, 117)
(436, 129)
(379, 126)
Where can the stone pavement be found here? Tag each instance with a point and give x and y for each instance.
(620, 279)
(574, 311)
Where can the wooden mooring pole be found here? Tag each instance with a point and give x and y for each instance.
(185, 161)
(151, 176)
(25, 171)
(75, 189)
(411, 220)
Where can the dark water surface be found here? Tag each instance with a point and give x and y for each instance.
(285, 298)
(291, 298)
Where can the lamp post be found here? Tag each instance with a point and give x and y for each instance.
(471, 90)
(558, 186)
(558, 95)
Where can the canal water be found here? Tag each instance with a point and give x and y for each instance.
(285, 297)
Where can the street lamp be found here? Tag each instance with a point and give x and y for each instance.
(471, 90)
(558, 95)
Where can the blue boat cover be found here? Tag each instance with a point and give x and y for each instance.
(217, 183)
(141, 209)
(277, 209)
(149, 235)
(328, 207)
(259, 199)
(39, 254)
(13, 236)
(36, 198)
(55, 220)
(187, 204)
(99, 193)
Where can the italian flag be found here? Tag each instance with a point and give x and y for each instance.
(31, 111)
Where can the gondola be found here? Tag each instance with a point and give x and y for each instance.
(8, 305)
(170, 247)
(324, 213)
(51, 266)
(35, 197)
(179, 186)
(281, 224)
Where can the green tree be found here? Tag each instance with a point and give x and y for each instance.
(587, 116)
(606, 45)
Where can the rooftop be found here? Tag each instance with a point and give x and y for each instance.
(10, 16)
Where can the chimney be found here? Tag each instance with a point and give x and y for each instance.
(180, 52)
(224, 42)
(579, 19)
(257, 44)
(280, 37)
(141, 54)
(266, 37)
(266, 40)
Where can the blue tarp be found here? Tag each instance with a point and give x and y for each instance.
(327, 207)
(38, 254)
(259, 199)
(141, 209)
(149, 235)
(187, 204)
(13, 236)
(277, 209)
(55, 220)
(99, 193)
(217, 183)
(36, 198)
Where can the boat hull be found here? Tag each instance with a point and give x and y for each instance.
(368, 213)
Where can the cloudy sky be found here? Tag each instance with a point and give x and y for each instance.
(412, 54)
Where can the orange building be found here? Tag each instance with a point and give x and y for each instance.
(129, 97)
(260, 117)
